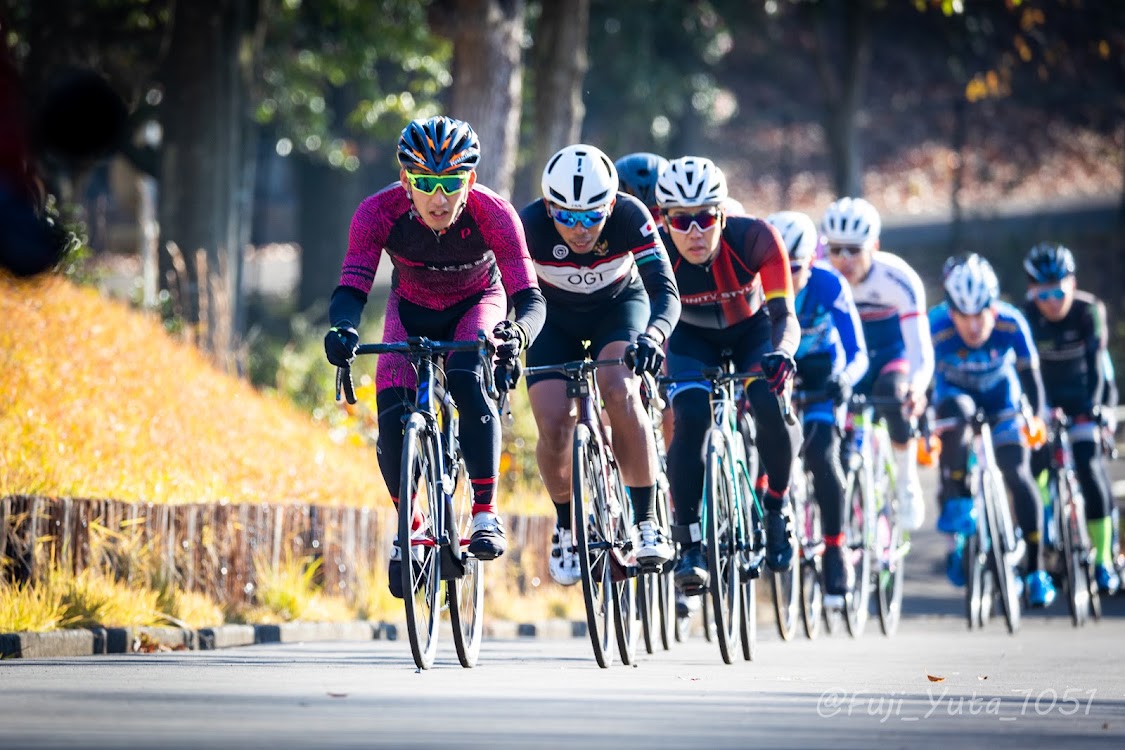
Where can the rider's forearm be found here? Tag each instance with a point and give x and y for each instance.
(346, 305)
(785, 328)
(919, 350)
(663, 294)
(531, 311)
(1032, 384)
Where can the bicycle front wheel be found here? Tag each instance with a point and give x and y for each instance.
(1073, 553)
(750, 562)
(1000, 547)
(465, 592)
(891, 558)
(722, 546)
(420, 497)
(592, 539)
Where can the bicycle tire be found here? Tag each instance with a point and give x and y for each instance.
(1074, 553)
(750, 561)
(786, 587)
(421, 583)
(891, 573)
(859, 535)
(592, 540)
(807, 521)
(466, 592)
(654, 589)
(721, 547)
(1003, 572)
(976, 575)
(626, 623)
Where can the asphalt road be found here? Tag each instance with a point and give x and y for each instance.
(932, 685)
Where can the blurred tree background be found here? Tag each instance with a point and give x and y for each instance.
(257, 126)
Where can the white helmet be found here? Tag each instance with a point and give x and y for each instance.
(691, 181)
(971, 285)
(797, 231)
(580, 177)
(851, 221)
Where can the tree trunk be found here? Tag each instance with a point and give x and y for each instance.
(560, 64)
(843, 90)
(327, 199)
(204, 196)
(487, 70)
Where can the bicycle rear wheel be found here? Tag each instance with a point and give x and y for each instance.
(750, 562)
(654, 589)
(891, 558)
(722, 546)
(592, 540)
(859, 532)
(421, 558)
(466, 592)
(1000, 546)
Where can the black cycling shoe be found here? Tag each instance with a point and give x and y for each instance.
(779, 545)
(692, 575)
(394, 578)
(839, 578)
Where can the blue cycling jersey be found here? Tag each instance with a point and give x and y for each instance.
(830, 323)
(989, 369)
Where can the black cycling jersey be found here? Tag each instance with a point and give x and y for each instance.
(1071, 353)
(628, 255)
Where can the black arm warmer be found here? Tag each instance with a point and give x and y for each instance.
(663, 294)
(346, 306)
(531, 311)
(1095, 351)
(783, 321)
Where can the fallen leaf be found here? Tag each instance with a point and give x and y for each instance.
(337, 695)
(934, 678)
(1105, 725)
(982, 677)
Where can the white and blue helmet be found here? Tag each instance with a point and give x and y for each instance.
(971, 285)
(851, 221)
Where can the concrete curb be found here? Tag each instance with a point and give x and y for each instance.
(100, 641)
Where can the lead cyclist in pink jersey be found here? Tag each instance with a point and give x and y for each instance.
(460, 261)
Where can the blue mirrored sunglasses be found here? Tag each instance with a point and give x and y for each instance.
(1055, 294)
(588, 218)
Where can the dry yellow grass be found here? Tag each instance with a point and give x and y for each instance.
(97, 400)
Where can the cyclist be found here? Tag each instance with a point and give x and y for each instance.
(459, 257)
(892, 305)
(637, 174)
(737, 294)
(606, 278)
(1069, 329)
(986, 359)
(832, 358)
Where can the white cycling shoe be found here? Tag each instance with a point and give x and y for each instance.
(911, 504)
(563, 561)
(653, 549)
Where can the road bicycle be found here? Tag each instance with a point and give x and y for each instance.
(875, 538)
(731, 526)
(1066, 523)
(602, 518)
(436, 489)
(655, 588)
(993, 551)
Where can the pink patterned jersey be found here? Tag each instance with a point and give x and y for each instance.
(485, 244)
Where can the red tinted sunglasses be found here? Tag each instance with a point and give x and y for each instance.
(704, 220)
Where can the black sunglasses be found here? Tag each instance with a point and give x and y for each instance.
(852, 250)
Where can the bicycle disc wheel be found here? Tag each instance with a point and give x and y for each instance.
(592, 540)
(1003, 572)
(891, 560)
(721, 547)
(750, 561)
(421, 567)
(465, 593)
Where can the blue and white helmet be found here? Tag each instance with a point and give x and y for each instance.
(971, 285)
(1047, 263)
(798, 232)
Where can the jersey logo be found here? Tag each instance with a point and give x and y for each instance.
(465, 233)
(560, 251)
(601, 248)
(648, 229)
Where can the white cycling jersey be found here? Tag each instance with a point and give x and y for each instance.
(892, 305)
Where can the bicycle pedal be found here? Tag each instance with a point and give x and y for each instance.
(452, 567)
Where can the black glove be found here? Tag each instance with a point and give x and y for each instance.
(513, 340)
(507, 374)
(778, 367)
(644, 355)
(340, 343)
(838, 389)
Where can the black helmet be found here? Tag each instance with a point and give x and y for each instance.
(638, 174)
(1047, 263)
(439, 145)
